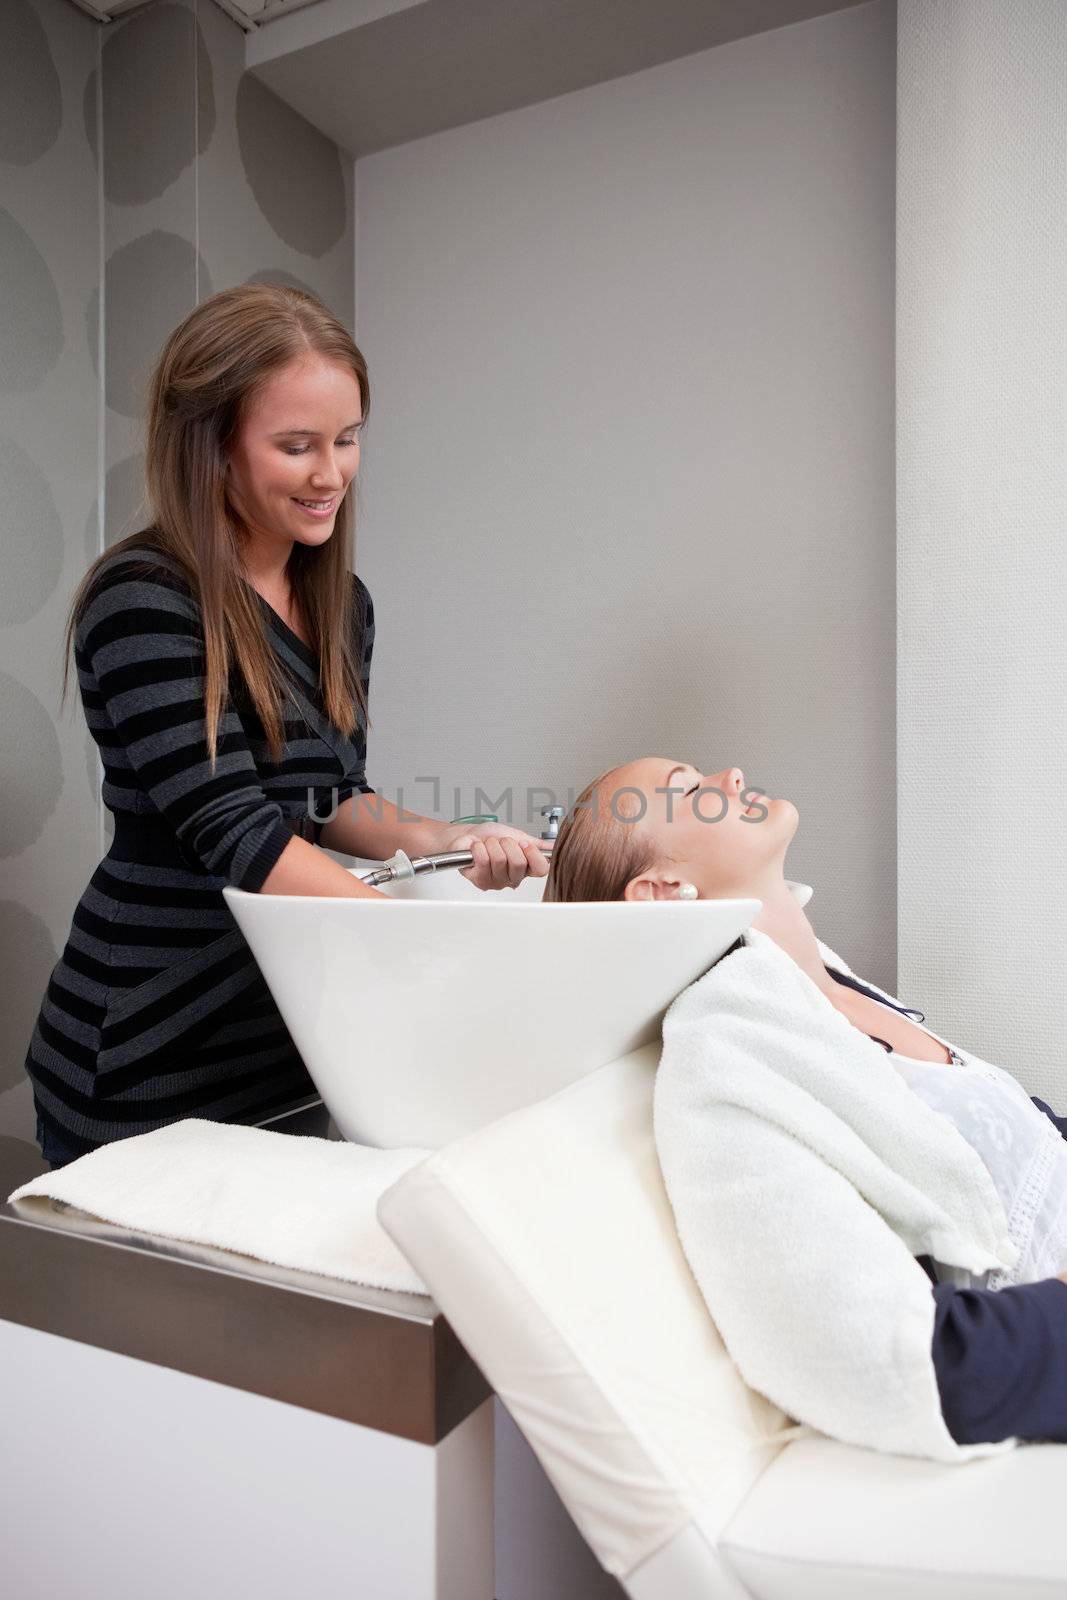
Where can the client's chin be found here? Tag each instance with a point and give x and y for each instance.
(776, 804)
(782, 813)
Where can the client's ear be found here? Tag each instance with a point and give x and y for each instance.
(649, 887)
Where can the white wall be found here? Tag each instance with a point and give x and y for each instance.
(982, 259)
(628, 481)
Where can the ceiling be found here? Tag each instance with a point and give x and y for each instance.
(376, 73)
(249, 13)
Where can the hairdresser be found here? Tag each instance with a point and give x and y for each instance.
(223, 657)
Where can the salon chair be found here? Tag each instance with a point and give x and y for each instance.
(548, 1242)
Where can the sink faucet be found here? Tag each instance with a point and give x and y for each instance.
(554, 816)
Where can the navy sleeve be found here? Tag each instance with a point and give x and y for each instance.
(1061, 1122)
(1000, 1356)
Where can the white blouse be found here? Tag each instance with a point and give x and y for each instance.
(1024, 1152)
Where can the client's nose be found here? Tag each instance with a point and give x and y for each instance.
(732, 781)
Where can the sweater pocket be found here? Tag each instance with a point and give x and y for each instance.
(148, 1029)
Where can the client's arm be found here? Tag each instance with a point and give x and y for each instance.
(1000, 1356)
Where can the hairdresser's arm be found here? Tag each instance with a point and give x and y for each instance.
(369, 825)
(302, 868)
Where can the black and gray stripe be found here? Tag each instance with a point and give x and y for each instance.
(156, 1009)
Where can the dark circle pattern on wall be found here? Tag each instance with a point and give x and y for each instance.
(29, 956)
(33, 535)
(34, 782)
(31, 327)
(148, 133)
(150, 286)
(31, 100)
(125, 507)
(293, 170)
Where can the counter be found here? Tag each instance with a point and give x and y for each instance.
(386, 1360)
(137, 1372)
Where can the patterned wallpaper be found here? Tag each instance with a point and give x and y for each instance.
(206, 180)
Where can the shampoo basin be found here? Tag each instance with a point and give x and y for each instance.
(429, 1016)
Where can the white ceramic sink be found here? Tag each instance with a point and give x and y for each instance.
(425, 1017)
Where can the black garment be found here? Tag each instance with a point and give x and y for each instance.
(1060, 1122)
(861, 988)
(156, 1009)
(1000, 1355)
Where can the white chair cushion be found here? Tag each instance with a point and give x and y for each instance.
(548, 1241)
(829, 1521)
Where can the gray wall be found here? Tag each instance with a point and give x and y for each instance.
(207, 180)
(982, 264)
(628, 482)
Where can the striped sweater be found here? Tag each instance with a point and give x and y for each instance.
(139, 654)
(156, 1009)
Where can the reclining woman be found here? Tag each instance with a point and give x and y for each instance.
(660, 830)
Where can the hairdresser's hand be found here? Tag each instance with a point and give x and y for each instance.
(503, 856)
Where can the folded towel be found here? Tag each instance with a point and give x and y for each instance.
(284, 1198)
(805, 1176)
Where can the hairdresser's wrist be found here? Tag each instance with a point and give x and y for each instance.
(430, 836)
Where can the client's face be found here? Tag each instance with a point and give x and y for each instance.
(705, 828)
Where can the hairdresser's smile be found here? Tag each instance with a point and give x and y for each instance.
(317, 508)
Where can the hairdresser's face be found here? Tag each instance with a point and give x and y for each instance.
(295, 453)
(707, 828)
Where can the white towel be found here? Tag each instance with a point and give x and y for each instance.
(805, 1175)
(284, 1198)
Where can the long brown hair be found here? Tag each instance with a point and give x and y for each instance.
(210, 368)
(596, 854)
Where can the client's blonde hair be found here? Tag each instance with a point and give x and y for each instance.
(596, 854)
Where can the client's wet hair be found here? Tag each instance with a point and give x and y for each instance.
(596, 854)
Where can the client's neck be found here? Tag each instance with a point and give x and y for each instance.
(782, 919)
